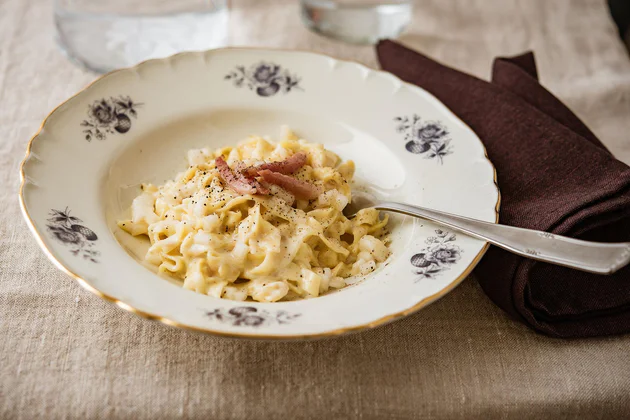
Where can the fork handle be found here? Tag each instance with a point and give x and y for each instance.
(593, 257)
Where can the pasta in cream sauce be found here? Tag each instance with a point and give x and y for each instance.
(282, 236)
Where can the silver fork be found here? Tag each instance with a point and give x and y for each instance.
(593, 257)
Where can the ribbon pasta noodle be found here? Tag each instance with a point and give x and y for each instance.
(267, 247)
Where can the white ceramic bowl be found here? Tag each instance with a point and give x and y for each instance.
(83, 168)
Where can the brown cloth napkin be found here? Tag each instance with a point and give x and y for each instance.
(554, 175)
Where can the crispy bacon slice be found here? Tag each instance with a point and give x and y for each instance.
(239, 167)
(300, 189)
(287, 166)
(237, 181)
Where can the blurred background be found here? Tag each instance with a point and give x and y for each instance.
(104, 35)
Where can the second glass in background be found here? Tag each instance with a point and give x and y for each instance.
(357, 21)
(105, 35)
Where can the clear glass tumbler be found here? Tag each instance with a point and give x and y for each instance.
(104, 35)
(357, 21)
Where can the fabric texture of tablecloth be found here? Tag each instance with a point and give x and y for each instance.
(65, 353)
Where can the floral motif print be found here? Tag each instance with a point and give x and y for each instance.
(68, 230)
(265, 78)
(438, 256)
(249, 316)
(430, 138)
(109, 116)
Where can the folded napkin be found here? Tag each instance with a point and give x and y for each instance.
(554, 175)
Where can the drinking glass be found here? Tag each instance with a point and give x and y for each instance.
(357, 21)
(106, 34)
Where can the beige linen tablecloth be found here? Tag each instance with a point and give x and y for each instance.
(65, 353)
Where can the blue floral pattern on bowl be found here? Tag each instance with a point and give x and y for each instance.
(430, 138)
(249, 316)
(109, 116)
(438, 256)
(68, 230)
(265, 78)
